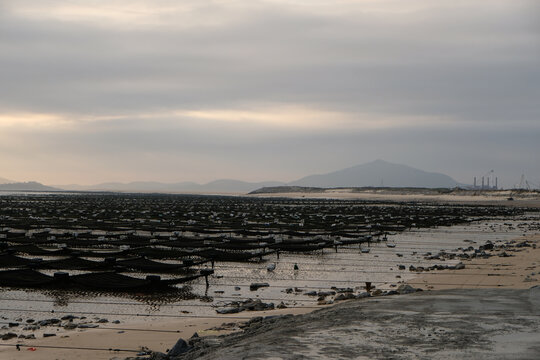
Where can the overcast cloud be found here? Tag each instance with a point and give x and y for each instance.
(267, 90)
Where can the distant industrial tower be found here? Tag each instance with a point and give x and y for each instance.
(489, 182)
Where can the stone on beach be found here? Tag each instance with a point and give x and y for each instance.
(256, 286)
(179, 348)
(405, 289)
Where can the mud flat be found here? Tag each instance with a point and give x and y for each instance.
(446, 324)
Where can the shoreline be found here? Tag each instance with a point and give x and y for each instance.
(499, 198)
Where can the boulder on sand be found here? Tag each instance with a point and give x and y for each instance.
(405, 289)
(179, 348)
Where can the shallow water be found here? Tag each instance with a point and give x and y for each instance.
(349, 267)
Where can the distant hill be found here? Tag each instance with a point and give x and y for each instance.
(378, 173)
(224, 186)
(5, 181)
(27, 186)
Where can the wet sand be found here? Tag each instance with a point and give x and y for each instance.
(163, 336)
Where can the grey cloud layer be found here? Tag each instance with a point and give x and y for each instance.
(475, 63)
(472, 62)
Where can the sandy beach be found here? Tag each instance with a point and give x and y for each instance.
(521, 270)
(500, 197)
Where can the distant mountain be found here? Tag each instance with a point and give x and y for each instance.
(378, 173)
(6, 181)
(224, 186)
(27, 186)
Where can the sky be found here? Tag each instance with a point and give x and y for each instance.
(198, 90)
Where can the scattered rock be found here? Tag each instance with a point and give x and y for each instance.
(281, 305)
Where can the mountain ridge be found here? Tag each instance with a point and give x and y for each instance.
(27, 186)
(220, 185)
(378, 173)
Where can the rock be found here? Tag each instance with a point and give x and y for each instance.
(342, 290)
(311, 293)
(325, 302)
(48, 322)
(256, 286)
(9, 336)
(377, 292)
(87, 326)
(282, 305)
(156, 355)
(344, 296)
(487, 246)
(13, 324)
(69, 317)
(48, 335)
(30, 321)
(401, 267)
(179, 348)
(237, 288)
(102, 321)
(256, 319)
(392, 292)
(116, 322)
(70, 326)
(232, 310)
(460, 266)
(362, 295)
(257, 305)
(30, 337)
(405, 289)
